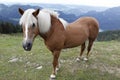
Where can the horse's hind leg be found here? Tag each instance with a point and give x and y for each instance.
(82, 50)
(89, 48)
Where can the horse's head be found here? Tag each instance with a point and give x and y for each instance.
(29, 24)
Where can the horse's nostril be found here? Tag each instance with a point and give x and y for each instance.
(29, 44)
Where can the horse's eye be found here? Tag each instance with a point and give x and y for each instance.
(33, 25)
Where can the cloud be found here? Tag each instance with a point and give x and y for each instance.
(107, 3)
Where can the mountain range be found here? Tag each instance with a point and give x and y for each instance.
(109, 18)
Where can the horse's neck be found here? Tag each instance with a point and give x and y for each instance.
(56, 28)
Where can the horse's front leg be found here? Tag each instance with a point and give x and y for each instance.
(55, 63)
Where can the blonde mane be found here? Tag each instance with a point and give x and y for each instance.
(51, 12)
(45, 19)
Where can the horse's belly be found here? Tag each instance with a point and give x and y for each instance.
(71, 45)
(75, 41)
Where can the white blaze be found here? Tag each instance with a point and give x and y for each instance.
(26, 32)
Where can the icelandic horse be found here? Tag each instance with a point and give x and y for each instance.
(56, 32)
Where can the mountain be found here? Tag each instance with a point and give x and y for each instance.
(71, 9)
(109, 19)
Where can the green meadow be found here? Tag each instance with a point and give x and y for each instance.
(17, 64)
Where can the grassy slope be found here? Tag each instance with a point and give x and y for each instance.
(104, 62)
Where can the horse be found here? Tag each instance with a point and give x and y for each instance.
(57, 33)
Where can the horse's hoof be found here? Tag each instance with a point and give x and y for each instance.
(57, 69)
(78, 59)
(52, 76)
(85, 59)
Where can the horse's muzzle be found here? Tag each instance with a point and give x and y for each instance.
(27, 46)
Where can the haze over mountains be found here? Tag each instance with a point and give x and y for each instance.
(109, 18)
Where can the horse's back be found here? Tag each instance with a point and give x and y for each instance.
(88, 24)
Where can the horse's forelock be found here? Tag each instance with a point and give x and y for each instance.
(28, 18)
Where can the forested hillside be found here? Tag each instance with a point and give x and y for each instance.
(109, 35)
(7, 28)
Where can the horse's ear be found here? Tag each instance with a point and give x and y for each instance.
(21, 11)
(36, 12)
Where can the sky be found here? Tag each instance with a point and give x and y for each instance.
(104, 3)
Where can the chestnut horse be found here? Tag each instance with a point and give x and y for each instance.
(56, 32)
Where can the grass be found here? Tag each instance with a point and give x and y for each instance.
(17, 64)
